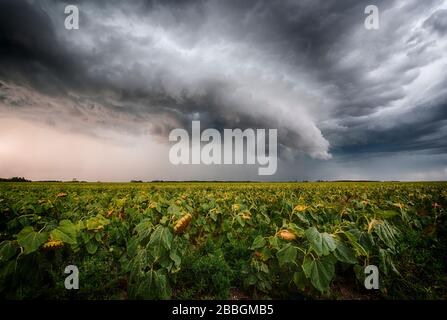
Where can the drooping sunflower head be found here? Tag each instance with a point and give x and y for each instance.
(398, 205)
(53, 244)
(286, 235)
(246, 215)
(182, 223)
(300, 208)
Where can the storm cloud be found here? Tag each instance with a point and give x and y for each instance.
(336, 92)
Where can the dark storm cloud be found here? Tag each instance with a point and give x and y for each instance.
(308, 68)
(30, 51)
(438, 21)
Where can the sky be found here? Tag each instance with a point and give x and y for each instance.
(98, 103)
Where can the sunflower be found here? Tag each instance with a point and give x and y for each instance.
(246, 215)
(300, 208)
(53, 244)
(182, 223)
(398, 205)
(286, 235)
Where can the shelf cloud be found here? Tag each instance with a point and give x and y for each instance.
(337, 92)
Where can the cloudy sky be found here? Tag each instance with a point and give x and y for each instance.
(98, 103)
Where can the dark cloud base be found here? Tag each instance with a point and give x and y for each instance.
(307, 68)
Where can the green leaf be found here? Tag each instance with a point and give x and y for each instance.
(160, 241)
(386, 214)
(321, 243)
(386, 262)
(213, 216)
(132, 247)
(274, 242)
(366, 241)
(263, 267)
(153, 285)
(66, 232)
(92, 247)
(96, 222)
(98, 236)
(345, 254)
(314, 238)
(240, 220)
(7, 270)
(359, 273)
(320, 272)
(31, 240)
(297, 230)
(174, 210)
(300, 280)
(250, 280)
(166, 262)
(259, 242)
(286, 254)
(386, 233)
(8, 249)
(161, 283)
(164, 220)
(144, 229)
(176, 258)
(86, 237)
(328, 243)
(266, 254)
(357, 246)
(161, 236)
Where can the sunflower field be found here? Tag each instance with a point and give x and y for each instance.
(198, 240)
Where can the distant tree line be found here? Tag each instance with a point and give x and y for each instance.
(14, 179)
